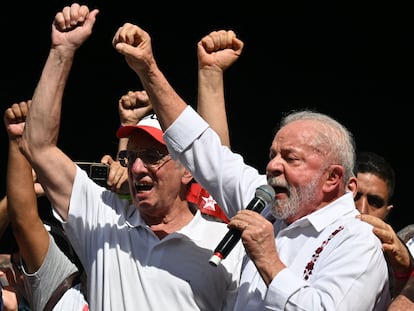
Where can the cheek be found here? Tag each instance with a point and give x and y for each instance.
(298, 177)
(378, 212)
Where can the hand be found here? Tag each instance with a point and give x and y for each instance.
(15, 117)
(10, 299)
(259, 242)
(118, 175)
(133, 106)
(397, 253)
(219, 49)
(72, 26)
(135, 44)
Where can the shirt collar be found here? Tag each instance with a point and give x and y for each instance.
(325, 216)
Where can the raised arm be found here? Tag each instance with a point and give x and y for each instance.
(216, 52)
(30, 234)
(132, 107)
(56, 172)
(135, 44)
(4, 218)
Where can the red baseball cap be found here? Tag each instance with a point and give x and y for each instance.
(148, 124)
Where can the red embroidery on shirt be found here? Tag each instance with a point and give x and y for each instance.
(311, 264)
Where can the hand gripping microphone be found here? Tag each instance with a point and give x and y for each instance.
(264, 195)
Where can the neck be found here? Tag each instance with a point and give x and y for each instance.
(173, 221)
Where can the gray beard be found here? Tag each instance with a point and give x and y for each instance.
(284, 209)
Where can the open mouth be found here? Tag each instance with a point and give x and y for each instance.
(143, 187)
(281, 190)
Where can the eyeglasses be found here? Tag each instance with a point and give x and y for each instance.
(151, 158)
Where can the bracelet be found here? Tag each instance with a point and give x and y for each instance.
(404, 276)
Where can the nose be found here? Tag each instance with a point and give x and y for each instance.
(138, 166)
(362, 205)
(274, 167)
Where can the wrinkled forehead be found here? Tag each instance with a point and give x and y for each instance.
(304, 138)
(299, 132)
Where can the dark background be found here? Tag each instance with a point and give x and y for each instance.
(351, 60)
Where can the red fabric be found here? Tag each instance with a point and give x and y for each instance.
(198, 195)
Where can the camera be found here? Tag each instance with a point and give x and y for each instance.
(98, 172)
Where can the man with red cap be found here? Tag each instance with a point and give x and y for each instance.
(147, 253)
(132, 106)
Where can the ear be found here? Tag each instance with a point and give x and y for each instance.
(335, 177)
(353, 185)
(187, 177)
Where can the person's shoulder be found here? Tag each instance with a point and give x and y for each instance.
(354, 222)
(360, 230)
(352, 227)
(406, 233)
(72, 299)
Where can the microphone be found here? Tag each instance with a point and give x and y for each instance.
(264, 195)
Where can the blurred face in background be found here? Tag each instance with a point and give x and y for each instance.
(372, 196)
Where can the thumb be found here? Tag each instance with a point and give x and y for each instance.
(107, 159)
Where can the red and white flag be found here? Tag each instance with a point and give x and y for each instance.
(200, 196)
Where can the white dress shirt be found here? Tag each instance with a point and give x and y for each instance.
(334, 261)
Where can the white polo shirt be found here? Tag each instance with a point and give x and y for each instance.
(130, 268)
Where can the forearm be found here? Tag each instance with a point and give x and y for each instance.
(46, 103)
(404, 301)
(4, 217)
(20, 188)
(401, 303)
(56, 172)
(211, 102)
(167, 104)
(28, 228)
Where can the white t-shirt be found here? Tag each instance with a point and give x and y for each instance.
(130, 268)
(55, 268)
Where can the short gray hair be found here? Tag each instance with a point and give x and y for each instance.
(336, 141)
